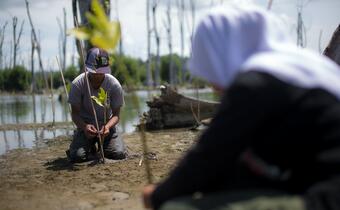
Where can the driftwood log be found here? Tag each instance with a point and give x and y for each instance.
(173, 110)
(333, 49)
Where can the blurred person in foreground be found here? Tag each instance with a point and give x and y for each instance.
(83, 147)
(275, 140)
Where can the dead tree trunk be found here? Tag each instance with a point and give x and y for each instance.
(84, 6)
(168, 26)
(193, 18)
(148, 34)
(16, 39)
(333, 49)
(121, 51)
(75, 23)
(2, 38)
(192, 24)
(157, 39)
(63, 39)
(34, 36)
(10, 55)
(33, 48)
(181, 8)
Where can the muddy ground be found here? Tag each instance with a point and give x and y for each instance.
(43, 178)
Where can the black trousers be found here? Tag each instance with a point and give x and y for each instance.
(81, 147)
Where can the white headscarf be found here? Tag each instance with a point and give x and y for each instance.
(230, 40)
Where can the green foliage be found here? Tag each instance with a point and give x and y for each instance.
(39, 81)
(16, 79)
(70, 73)
(102, 33)
(133, 67)
(68, 86)
(20, 79)
(2, 81)
(165, 67)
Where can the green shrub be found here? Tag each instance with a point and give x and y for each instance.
(16, 79)
(134, 67)
(2, 80)
(70, 73)
(165, 67)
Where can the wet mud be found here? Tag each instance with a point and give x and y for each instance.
(43, 178)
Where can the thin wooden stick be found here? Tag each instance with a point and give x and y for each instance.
(194, 115)
(145, 150)
(62, 76)
(140, 161)
(65, 88)
(52, 99)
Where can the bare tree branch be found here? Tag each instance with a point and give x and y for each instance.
(181, 8)
(35, 38)
(157, 39)
(63, 39)
(121, 51)
(33, 48)
(168, 26)
(148, 31)
(16, 40)
(319, 43)
(75, 21)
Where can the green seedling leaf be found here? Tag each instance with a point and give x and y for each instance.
(102, 97)
(68, 87)
(97, 100)
(82, 33)
(102, 33)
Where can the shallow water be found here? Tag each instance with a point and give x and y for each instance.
(15, 109)
(28, 138)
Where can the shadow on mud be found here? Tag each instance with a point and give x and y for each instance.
(60, 164)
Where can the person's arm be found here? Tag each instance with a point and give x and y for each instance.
(116, 102)
(89, 129)
(75, 99)
(76, 117)
(211, 162)
(113, 121)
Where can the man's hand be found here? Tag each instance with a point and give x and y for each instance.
(90, 131)
(104, 131)
(147, 192)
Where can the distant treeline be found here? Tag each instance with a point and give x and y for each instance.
(19, 78)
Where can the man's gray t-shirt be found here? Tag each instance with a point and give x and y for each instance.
(79, 97)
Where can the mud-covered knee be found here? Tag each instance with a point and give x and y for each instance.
(78, 155)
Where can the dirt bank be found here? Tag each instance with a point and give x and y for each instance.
(42, 178)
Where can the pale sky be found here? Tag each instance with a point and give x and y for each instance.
(318, 15)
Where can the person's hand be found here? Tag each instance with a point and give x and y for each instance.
(90, 131)
(147, 192)
(104, 131)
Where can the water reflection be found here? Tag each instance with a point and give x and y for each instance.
(20, 109)
(28, 138)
